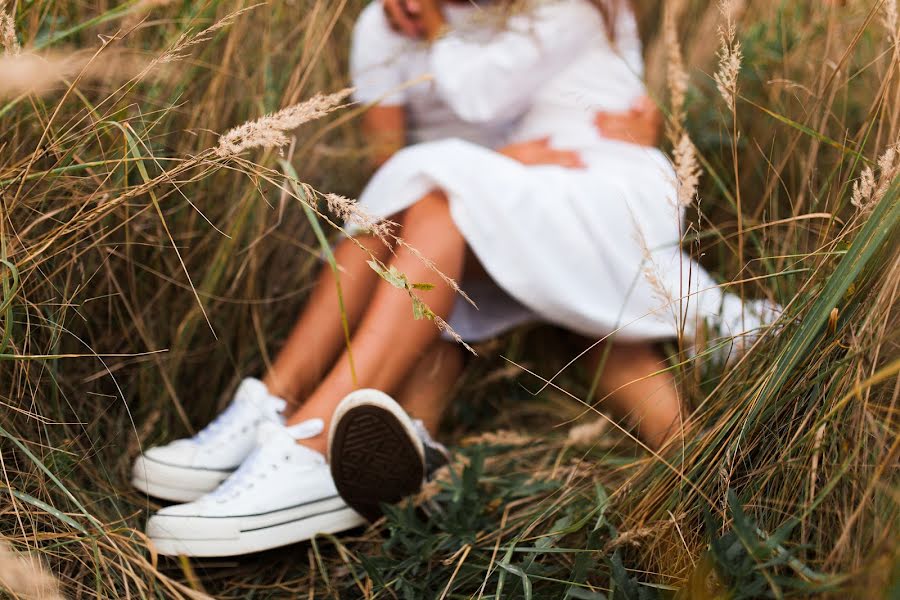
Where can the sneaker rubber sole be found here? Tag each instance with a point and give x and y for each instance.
(176, 535)
(174, 483)
(376, 455)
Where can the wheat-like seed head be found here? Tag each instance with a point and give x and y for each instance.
(587, 434)
(889, 169)
(676, 75)
(890, 20)
(351, 212)
(35, 74)
(729, 56)
(23, 576)
(862, 189)
(270, 131)
(8, 38)
(186, 41)
(687, 170)
(140, 9)
(869, 190)
(30, 73)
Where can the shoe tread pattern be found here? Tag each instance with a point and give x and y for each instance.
(374, 460)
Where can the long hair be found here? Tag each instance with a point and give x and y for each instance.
(609, 9)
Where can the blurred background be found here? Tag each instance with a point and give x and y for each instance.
(142, 277)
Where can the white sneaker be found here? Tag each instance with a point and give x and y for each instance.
(283, 493)
(740, 325)
(186, 469)
(377, 453)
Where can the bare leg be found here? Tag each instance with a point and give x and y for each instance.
(426, 393)
(388, 342)
(318, 335)
(649, 401)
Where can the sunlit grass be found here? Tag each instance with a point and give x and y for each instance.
(142, 275)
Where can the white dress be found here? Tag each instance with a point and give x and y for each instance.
(594, 250)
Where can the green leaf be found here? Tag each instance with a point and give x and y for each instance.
(876, 232)
(49, 509)
(526, 582)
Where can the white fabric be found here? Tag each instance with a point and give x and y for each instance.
(230, 437)
(279, 473)
(593, 250)
(392, 70)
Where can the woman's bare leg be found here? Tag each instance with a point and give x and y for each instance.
(426, 392)
(388, 341)
(318, 335)
(647, 399)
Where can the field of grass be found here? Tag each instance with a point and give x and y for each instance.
(145, 268)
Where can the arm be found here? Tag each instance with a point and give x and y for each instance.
(378, 71)
(384, 128)
(539, 152)
(640, 125)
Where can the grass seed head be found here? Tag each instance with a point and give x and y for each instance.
(271, 130)
(33, 73)
(23, 576)
(8, 38)
(676, 76)
(889, 19)
(729, 56)
(352, 213)
(687, 170)
(868, 190)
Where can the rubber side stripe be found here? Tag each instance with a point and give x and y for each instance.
(324, 512)
(255, 514)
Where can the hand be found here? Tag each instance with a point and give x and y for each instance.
(639, 125)
(539, 152)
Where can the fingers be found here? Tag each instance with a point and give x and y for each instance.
(539, 152)
(561, 158)
(640, 124)
(569, 159)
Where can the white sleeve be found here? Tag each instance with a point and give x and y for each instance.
(377, 61)
(486, 80)
(628, 40)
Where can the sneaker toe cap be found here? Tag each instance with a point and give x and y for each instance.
(180, 453)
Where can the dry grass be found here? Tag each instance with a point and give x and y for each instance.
(147, 262)
(25, 577)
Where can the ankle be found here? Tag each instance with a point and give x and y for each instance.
(318, 443)
(280, 389)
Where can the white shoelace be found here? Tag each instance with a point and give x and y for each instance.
(223, 422)
(268, 457)
(236, 417)
(240, 480)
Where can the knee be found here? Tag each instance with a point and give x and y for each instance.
(431, 212)
(430, 207)
(449, 357)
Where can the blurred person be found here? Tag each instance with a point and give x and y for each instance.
(558, 224)
(589, 242)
